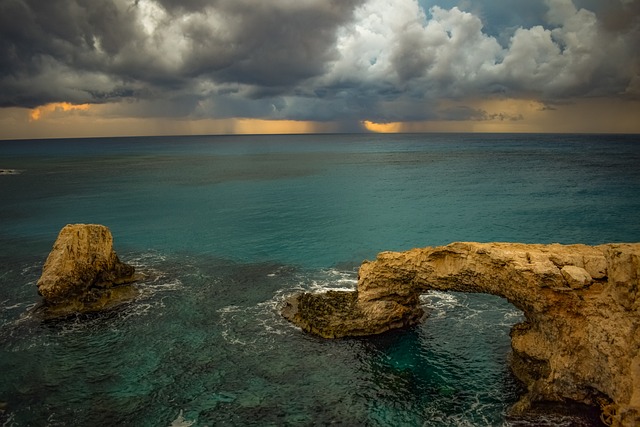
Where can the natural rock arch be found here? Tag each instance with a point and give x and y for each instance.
(581, 337)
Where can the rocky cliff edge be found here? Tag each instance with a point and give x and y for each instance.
(581, 337)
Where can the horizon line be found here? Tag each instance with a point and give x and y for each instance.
(314, 133)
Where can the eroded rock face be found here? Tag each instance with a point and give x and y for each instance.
(336, 314)
(581, 337)
(83, 273)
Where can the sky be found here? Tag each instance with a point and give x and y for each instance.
(80, 68)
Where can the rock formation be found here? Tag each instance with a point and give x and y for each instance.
(83, 273)
(581, 337)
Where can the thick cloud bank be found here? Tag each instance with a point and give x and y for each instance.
(313, 59)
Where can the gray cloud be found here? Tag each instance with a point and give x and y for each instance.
(48, 50)
(325, 60)
(464, 113)
(271, 46)
(447, 54)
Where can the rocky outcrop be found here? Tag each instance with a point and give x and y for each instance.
(336, 314)
(581, 337)
(83, 273)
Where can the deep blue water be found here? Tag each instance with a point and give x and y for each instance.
(229, 225)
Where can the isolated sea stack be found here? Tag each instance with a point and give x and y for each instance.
(580, 341)
(83, 273)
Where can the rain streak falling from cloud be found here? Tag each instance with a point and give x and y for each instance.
(348, 60)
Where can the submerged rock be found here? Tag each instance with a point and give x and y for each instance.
(580, 341)
(83, 273)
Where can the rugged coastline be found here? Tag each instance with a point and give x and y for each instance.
(579, 342)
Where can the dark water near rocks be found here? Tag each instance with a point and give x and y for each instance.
(228, 226)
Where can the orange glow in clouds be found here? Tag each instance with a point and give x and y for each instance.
(37, 113)
(259, 126)
(382, 127)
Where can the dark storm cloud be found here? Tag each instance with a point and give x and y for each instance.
(178, 6)
(48, 49)
(68, 50)
(615, 15)
(314, 59)
(270, 44)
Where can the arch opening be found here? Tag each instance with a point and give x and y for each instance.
(580, 303)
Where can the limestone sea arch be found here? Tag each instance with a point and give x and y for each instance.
(580, 340)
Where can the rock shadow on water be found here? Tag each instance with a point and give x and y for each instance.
(554, 414)
(412, 380)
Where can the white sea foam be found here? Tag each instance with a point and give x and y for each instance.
(10, 421)
(438, 304)
(155, 280)
(181, 421)
(263, 322)
(253, 326)
(27, 314)
(466, 308)
(331, 280)
(31, 269)
(438, 299)
(10, 171)
(278, 271)
(230, 317)
(146, 259)
(14, 306)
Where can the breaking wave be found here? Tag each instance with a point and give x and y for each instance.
(258, 325)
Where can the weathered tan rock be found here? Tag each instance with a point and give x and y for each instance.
(576, 277)
(581, 337)
(83, 273)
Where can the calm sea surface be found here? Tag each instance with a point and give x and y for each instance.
(227, 226)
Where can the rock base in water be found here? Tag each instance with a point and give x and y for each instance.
(336, 314)
(83, 273)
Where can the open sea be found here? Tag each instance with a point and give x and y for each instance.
(227, 226)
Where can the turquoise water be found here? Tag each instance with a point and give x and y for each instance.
(226, 227)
